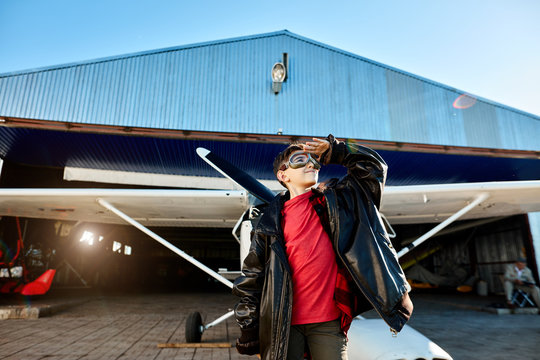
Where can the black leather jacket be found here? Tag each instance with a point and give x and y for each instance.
(360, 242)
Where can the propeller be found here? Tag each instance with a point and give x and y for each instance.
(236, 175)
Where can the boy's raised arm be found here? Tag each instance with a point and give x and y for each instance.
(364, 165)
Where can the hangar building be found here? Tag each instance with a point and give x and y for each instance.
(135, 120)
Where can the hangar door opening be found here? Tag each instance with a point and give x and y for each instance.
(106, 256)
(467, 253)
(118, 257)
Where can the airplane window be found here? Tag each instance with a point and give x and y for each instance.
(88, 237)
(116, 246)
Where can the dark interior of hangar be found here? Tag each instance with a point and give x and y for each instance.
(118, 257)
(466, 253)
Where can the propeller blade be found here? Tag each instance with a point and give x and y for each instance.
(236, 175)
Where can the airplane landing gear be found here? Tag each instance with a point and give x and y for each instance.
(194, 328)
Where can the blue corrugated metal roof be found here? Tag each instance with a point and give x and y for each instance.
(225, 86)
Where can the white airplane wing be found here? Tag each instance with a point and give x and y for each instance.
(435, 203)
(222, 208)
(187, 208)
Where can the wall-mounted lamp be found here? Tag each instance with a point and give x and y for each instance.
(279, 74)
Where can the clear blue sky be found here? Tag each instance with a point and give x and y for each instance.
(487, 48)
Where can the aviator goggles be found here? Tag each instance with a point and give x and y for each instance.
(300, 159)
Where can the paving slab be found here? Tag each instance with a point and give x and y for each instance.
(15, 306)
(122, 326)
(130, 326)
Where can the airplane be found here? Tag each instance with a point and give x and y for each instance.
(144, 208)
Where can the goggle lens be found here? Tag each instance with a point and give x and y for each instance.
(299, 160)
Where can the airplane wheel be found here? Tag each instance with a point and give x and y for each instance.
(194, 328)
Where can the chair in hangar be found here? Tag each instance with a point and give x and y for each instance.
(519, 298)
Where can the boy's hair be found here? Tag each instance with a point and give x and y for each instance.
(283, 157)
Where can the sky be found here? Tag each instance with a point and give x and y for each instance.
(487, 48)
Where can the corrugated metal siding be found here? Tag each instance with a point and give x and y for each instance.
(226, 86)
(445, 123)
(406, 103)
(481, 126)
(517, 129)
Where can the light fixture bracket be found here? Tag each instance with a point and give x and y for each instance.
(279, 73)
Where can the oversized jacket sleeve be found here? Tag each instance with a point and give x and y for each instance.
(364, 165)
(363, 243)
(249, 286)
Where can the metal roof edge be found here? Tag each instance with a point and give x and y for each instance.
(143, 53)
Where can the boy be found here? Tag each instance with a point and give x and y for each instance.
(319, 257)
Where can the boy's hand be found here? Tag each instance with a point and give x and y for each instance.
(316, 147)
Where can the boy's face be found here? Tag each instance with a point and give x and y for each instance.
(305, 176)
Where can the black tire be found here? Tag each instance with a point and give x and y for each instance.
(194, 328)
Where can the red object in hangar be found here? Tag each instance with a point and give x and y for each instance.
(14, 274)
(41, 285)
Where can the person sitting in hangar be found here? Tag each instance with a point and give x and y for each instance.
(519, 276)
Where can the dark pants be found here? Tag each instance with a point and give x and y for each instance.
(325, 340)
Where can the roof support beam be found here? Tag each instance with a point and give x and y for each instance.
(477, 200)
(165, 243)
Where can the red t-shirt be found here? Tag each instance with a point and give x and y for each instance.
(312, 261)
